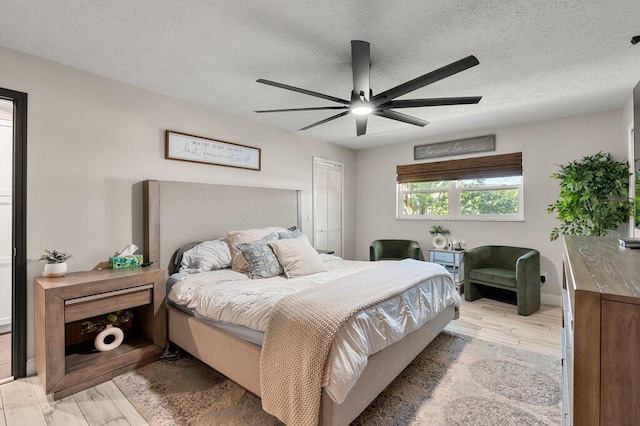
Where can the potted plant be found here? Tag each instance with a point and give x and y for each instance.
(593, 196)
(437, 229)
(439, 240)
(56, 263)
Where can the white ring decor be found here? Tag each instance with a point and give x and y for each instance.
(118, 336)
(439, 241)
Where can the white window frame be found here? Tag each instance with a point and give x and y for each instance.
(454, 203)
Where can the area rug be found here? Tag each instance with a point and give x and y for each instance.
(456, 380)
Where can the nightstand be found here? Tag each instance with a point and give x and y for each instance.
(453, 261)
(66, 362)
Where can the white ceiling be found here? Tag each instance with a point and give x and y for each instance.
(539, 59)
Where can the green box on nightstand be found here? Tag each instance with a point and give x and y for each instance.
(120, 262)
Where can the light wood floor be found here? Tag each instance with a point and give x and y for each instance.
(5, 355)
(499, 322)
(22, 402)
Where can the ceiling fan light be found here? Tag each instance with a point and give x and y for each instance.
(362, 110)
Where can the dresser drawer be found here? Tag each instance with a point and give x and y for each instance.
(438, 256)
(103, 303)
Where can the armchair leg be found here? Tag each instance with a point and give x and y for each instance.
(528, 300)
(471, 292)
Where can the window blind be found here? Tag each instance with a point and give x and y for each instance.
(468, 168)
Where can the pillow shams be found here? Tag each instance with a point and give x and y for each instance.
(206, 256)
(298, 257)
(260, 258)
(238, 263)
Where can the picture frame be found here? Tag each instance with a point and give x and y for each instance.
(455, 147)
(199, 149)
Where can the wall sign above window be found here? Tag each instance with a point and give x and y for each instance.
(455, 147)
(184, 147)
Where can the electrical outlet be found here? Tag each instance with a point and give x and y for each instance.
(543, 277)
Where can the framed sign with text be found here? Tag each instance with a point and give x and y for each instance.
(455, 147)
(198, 149)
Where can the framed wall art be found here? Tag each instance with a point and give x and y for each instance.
(455, 147)
(198, 149)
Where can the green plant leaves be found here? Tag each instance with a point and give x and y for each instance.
(593, 196)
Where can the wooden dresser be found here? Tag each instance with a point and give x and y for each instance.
(601, 332)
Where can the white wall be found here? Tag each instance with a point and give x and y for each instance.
(91, 139)
(544, 146)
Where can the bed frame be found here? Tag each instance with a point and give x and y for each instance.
(177, 213)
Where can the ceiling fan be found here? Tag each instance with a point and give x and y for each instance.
(363, 102)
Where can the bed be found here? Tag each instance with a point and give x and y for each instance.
(178, 213)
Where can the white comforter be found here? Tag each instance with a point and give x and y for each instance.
(231, 297)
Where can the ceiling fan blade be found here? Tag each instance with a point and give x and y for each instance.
(398, 116)
(361, 64)
(302, 109)
(304, 91)
(361, 124)
(432, 77)
(342, 114)
(414, 103)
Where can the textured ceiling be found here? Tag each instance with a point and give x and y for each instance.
(539, 59)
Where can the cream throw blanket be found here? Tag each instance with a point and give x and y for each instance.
(302, 327)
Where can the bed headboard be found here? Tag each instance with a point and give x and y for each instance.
(176, 213)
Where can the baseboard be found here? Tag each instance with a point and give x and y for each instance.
(31, 366)
(550, 299)
(5, 325)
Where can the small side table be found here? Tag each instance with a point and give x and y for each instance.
(63, 304)
(453, 261)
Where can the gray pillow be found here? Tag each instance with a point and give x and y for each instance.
(289, 234)
(261, 259)
(176, 259)
(206, 256)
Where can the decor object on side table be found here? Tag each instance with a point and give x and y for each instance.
(110, 336)
(593, 196)
(56, 263)
(439, 240)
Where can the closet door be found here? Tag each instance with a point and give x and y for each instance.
(327, 205)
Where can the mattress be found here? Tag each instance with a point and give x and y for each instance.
(241, 306)
(253, 336)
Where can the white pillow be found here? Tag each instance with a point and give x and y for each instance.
(298, 257)
(206, 256)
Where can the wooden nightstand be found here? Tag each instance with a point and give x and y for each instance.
(62, 304)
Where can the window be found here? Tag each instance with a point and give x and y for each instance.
(484, 188)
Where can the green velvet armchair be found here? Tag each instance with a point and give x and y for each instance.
(395, 250)
(514, 269)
